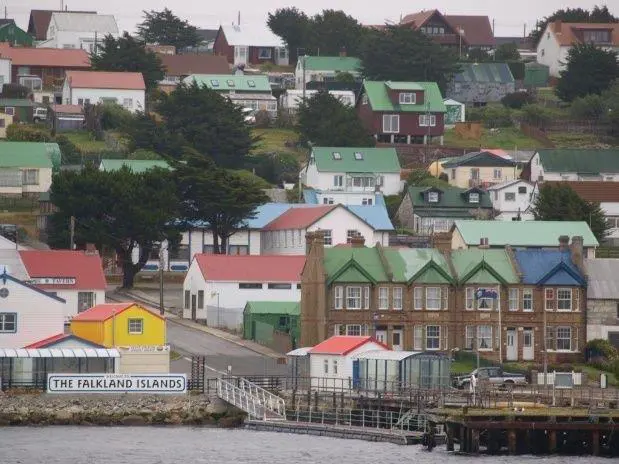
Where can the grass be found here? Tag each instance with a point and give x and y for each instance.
(576, 140)
(86, 142)
(275, 140)
(508, 138)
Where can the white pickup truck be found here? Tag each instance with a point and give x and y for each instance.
(492, 375)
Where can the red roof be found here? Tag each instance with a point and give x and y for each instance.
(48, 341)
(103, 312)
(343, 344)
(251, 268)
(299, 218)
(568, 34)
(106, 80)
(86, 269)
(477, 29)
(47, 57)
(67, 109)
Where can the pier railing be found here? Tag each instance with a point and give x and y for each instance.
(254, 400)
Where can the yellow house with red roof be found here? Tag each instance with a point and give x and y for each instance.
(120, 324)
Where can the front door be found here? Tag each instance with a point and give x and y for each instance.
(528, 342)
(381, 336)
(396, 340)
(512, 345)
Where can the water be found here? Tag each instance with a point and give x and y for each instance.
(182, 445)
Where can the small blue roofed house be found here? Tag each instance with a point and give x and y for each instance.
(551, 268)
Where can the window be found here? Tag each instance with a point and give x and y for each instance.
(283, 322)
(200, 299)
(238, 250)
(366, 297)
(352, 233)
(279, 286)
(187, 299)
(407, 99)
(367, 202)
(426, 120)
(250, 286)
(564, 338)
(527, 299)
(355, 330)
(513, 299)
(433, 337)
(251, 83)
(364, 99)
(433, 197)
(326, 237)
(391, 123)
(358, 156)
(326, 366)
(8, 322)
(230, 83)
(337, 155)
(596, 37)
(475, 173)
(474, 197)
(496, 174)
(128, 102)
(383, 298)
(418, 298)
(104, 100)
(339, 297)
(484, 337)
(265, 53)
(208, 249)
(30, 177)
(564, 299)
(2, 124)
(327, 201)
(335, 367)
(469, 337)
(470, 298)
(486, 303)
(397, 298)
(549, 298)
(338, 181)
(10, 110)
(353, 297)
(85, 300)
(362, 181)
(522, 190)
(433, 298)
(453, 174)
(418, 338)
(136, 326)
(510, 196)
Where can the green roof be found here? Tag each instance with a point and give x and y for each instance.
(136, 166)
(29, 155)
(453, 198)
(487, 73)
(16, 102)
(332, 63)
(227, 82)
(524, 233)
(292, 308)
(478, 158)
(374, 160)
(378, 96)
(580, 160)
(484, 266)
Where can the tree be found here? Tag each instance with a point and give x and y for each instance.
(208, 122)
(334, 31)
(400, 53)
(15, 90)
(611, 98)
(221, 197)
(561, 203)
(478, 55)
(117, 210)
(165, 28)
(589, 69)
(572, 15)
(127, 54)
(292, 26)
(507, 52)
(145, 132)
(422, 178)
(325, 121)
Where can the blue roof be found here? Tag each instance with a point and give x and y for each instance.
(310, 196)
(548, 267)
(375, 215)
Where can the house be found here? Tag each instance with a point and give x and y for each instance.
(208, 37)
(217, 287)
(559, 37)
(285, 235)
(20, 109)
(136, 166)
(43, 70)
(27, 167)
(178, 67)
(124, 88)
(5, 121)
(5, 70)
(513, 200)
(64, 118)
(460, 32)
(120, 324)
(251, 45)
(325, 68)
(575, 164)
(272, 323)
(521, 234)
(481, 169)
(456, 112)
(291, 99)
(428, 210)
(38, 23)
(359, 171)
(247, 91)
(75, 276)
(602, 300)
(11, 33)
(27, 313)
(524, 45)
(402, 112)
(331, 361)
(68, 30)
(480, 83)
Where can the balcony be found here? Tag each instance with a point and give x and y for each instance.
(482, 184)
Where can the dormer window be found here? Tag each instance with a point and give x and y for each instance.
(432, 197)
(407, 98)
(251, 83)
(230, 83)
(337, 155)
(358, 156)
(215, 83)
(473, 197)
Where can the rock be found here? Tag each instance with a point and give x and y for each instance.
(217, 406)
(63, 416)
(133, 420)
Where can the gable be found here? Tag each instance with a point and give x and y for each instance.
(352, 271)
(483, 276)
(561, 277)
(479, 159)
(431, 275)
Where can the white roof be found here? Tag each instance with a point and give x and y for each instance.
(85, 22)
(300, 351)
(386, 355)
(502, 185)
(450, 101)
(252, 35)
(59, 353)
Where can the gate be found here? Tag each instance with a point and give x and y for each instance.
(196, 382)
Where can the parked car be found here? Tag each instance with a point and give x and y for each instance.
(39, 114)
(492, 375)
(250, 115)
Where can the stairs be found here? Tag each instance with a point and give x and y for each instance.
(411, 421)
(257, 402)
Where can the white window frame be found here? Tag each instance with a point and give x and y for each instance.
(338, 180)
(134, 330)
(512, 196)
(407, 98)
(474, 197)
(326, 366)
(494, 303)
(327, 237)
(353, 297)
(432, 197)
(383, 298)
(469, 300)
(481, 337)
(128, 102)
(418, 338)
(549, 303)
(436, 336)
(437, 299)
(4, 322)
(470, 336)
(424, 118)
(418, 298)
(398, 298)
(352, 332)
(563, 339)
(389, 122)
(339, 297)
(527, 295)
(513, 299)
(563, 300)
(497, 173)
(366, 297)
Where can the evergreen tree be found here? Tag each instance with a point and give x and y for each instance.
(165, 28)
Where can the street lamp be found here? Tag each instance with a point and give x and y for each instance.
(213, 295)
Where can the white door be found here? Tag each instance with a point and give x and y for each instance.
(512, 345)
(381, 336)
(528, 342)
(396, 340)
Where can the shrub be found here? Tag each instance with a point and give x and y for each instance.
(263, 119)
(143, 154)
(28, 133)
(114, 116)
(588, 107)
(600, 348)
(496, 116)
(475, 114)
(71, 154)
(275, 167)
(284, 119)
(517, 100)
(535, 115)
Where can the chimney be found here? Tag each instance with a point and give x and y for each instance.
(309, 237)
(91, 249)
(558, 25)
(358, 241)
(577, 252)
(564, 242)
(483, 243)
(343, 51)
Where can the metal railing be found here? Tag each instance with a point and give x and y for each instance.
(254, 400)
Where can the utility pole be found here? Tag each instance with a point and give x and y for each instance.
(161, 264)
(428, 116)
(544, 335)
(304, 76)
(72, 233)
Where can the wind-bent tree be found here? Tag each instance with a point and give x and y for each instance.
(165, 28)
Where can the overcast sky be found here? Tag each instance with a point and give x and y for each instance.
(509, 16)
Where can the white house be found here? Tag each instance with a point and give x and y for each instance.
(559, 37)
(514, 200)
(79, 30)
(124, 88)
(350, 169)
(325, 68)
(286, 234)
(75, 276)
(575, 164)
(331, 361)
(603, 299)
(217, 287)
(27, 314)
(5, 70)
(291, 99)
(26, 167)
(250, 44)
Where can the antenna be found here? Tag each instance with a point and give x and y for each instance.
(239, 19)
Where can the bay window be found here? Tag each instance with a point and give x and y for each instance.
(397, 298)
(418, 298)
(353, 297)
(433, 298)
(339, 297)
(383, 298)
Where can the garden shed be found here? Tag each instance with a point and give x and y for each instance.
(262, 319)
(455, 112)
(536, 75)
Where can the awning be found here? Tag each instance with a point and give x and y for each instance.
(59, 353)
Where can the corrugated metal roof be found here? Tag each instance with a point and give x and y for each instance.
(26, 154)
(59, 353)
(85, 22)
(485, 73)
(387, 355)
(378, 95)
(591, 161)
(550, 267)
(227, 82)
(332, 63)
(355, 159)
(603, 282)
(251, 35)
(292, 308)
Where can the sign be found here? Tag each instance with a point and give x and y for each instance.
(117, 383)
(486, 293)
(52, 281)
(146, 348)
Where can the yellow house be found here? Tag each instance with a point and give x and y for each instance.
(5, 121)
(120, 324)
(480, 169)
(436, 167)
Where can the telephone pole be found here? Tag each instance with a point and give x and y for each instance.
(72, 233)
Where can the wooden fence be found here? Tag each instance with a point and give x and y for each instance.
(536, 134)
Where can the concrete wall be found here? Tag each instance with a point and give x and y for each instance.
(602, 318)
(147, 362)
